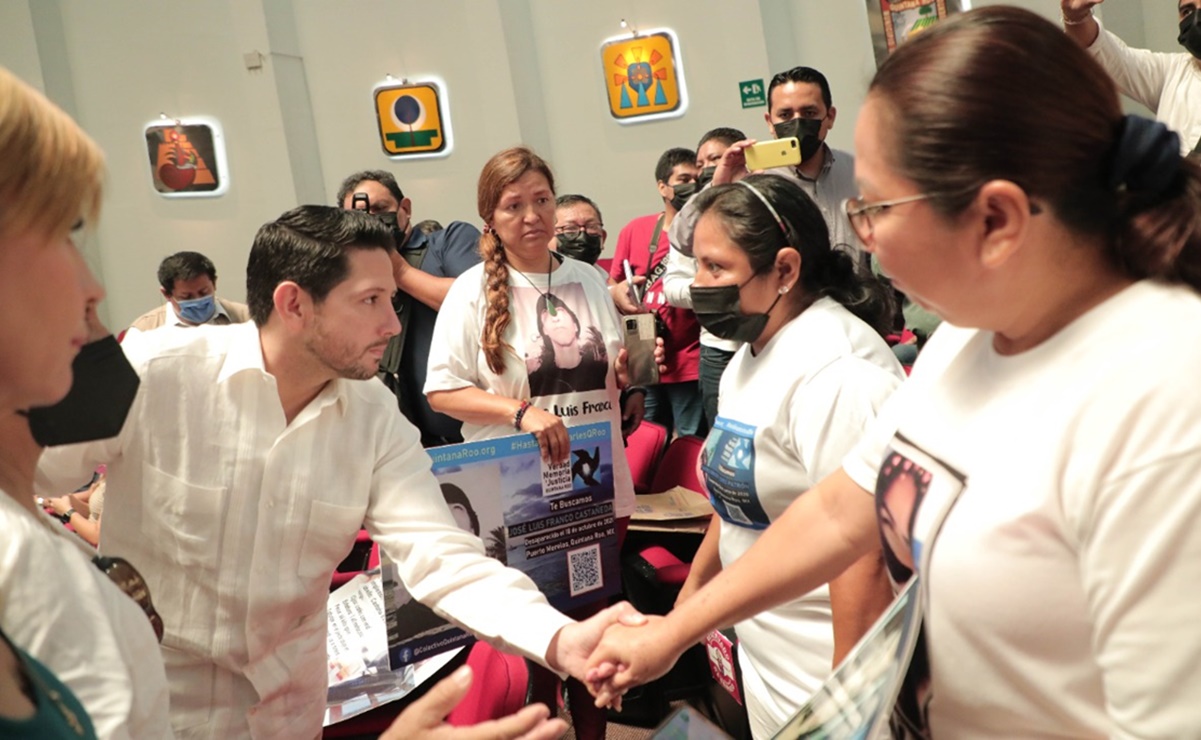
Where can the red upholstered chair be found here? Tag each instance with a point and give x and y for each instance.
(644, 450)
(500, 686)
(679, 466)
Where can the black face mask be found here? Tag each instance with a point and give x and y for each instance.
(681, 193)
(719, 309)
(1190, 33)
(705, 177)
(101, 395)
(806, 130)
(389, 219)
(582, 246)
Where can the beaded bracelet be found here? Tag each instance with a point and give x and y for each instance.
(517, 417)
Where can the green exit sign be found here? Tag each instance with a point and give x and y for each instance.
(753, 93)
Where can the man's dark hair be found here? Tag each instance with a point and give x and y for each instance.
(572, 199)
(383, 178)
(307, 245)
(670, 159)
(184, 266)
(801, 74)
(724, 134)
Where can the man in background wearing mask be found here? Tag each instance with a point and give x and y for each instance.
(676, 401)
(188, 282)
(579, 230)
(424, 266)
(1168, 84)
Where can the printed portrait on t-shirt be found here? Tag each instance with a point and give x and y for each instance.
(900, 488)
(915, 493)
(565, 352)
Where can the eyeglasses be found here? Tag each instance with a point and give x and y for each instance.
(127, 578)
(860, 213)
(573, 231)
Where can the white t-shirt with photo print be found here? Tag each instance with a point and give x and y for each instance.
(785, 419)
(1062, 580)
(563, 363)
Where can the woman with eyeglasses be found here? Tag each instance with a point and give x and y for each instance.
(79, 657)
(1056, 533)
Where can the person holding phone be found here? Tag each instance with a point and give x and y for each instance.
(529, 342)
(799, 105)
(675, 401)
(1056, 536)
(424, 264)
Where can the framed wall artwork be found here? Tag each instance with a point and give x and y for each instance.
(413, 119)
(644, 76)
(187, 157)
(893, 21)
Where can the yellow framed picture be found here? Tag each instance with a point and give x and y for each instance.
(644, 76)
(412, 119)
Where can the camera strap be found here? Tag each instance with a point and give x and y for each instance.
(656, 272)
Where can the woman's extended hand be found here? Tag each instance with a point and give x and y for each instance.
(550, 432)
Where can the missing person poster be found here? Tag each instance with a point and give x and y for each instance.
(552, 522)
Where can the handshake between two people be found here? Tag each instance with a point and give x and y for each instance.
(616, 650)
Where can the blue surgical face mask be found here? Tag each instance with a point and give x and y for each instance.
(198, 310)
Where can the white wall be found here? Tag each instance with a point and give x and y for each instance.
(517, 71)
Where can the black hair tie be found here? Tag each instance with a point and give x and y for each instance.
(1146, 157)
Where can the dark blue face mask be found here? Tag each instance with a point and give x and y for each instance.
(102, 392)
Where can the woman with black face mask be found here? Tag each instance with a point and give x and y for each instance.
(78, 657)
(794, 399)
(1168, 84)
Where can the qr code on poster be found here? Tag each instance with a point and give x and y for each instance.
(584, 569)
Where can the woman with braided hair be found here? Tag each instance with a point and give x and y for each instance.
(514, 349)
(1057, 540)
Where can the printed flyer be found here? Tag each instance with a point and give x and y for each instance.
(552, 522)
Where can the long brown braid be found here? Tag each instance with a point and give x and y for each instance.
(501, 171)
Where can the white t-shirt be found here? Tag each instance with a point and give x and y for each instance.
(63, 611)
(578, 386)
(1167, 83)
(1063, 583)
(785, 420)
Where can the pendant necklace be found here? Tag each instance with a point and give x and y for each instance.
(547, 295)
